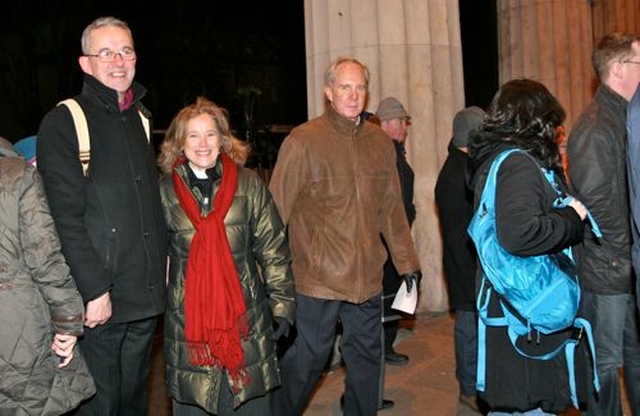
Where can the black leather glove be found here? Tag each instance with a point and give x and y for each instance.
(281, 328)
(412, 278)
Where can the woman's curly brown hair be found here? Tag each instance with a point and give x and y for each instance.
(172, 146)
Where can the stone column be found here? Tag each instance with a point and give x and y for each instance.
(549, 41)
(413, 50)
(552, 42)
(615, 16)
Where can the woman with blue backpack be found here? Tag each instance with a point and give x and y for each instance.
(526, 374)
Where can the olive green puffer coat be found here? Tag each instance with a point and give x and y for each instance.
(38, 298)
(258, 244)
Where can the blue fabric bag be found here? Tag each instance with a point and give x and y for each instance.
(537, 294)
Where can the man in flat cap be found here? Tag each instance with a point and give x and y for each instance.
(395, 121)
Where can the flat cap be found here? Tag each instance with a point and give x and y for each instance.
(390, 108)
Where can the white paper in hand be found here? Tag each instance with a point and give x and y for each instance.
(406, 301)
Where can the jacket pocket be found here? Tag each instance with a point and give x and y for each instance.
(108, 249)
(105, 240)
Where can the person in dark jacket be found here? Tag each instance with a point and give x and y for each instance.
(110, 222)
(633, 172)
(454, 200)
(229, 275)
(598, 176)
(525, 115)
(41, 308)
(395, 121)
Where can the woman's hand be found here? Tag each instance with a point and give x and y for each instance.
(63, 346)
(579, 207)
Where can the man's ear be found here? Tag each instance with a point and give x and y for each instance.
(85, 64)
(616, 69)
(328, 93)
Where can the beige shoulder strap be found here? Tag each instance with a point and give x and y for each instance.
(145, 124)
(82, 131)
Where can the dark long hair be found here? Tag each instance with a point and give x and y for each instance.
(523, 114)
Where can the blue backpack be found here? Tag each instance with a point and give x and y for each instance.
(537, 294)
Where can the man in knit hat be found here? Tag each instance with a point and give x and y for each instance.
(395, 121)
(455, 205)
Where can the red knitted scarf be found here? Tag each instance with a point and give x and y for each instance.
(213, 301)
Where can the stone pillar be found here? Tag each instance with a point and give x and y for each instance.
(615, 16)
(549, 41)
(552, 41)
(413, 51)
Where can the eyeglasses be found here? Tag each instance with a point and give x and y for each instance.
(107, 55)
(631, 62)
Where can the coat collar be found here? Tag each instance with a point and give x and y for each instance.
(343, 124)
(107, 96)
(612, 99)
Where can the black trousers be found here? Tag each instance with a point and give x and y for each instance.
(304, 362)
(390, 284)
(118, 356)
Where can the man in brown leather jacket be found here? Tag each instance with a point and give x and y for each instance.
(336, 186)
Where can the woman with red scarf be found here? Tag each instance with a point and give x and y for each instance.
(230, 287)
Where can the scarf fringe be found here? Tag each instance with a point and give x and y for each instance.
(201, 355)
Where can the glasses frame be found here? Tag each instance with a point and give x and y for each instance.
(107, 55)
(631, 62)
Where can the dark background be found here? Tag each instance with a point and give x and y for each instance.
(247, 56)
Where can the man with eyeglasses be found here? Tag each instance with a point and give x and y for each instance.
(110, 221)
(597, 173)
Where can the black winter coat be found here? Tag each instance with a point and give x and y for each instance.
(391, 280)
(455, 209)
(110, 223)
(598, 174)
(528, 225)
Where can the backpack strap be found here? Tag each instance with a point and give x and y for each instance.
(145, 122)
(482, 305)
(585, 328)
(82, 131)
(564, 200)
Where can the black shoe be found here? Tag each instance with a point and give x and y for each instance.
(386, 404)
(393, 358)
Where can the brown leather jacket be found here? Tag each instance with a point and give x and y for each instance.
(336, 186)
